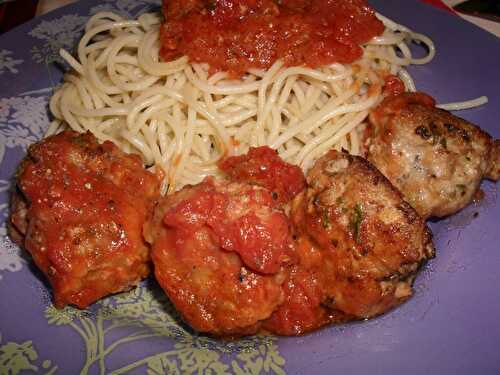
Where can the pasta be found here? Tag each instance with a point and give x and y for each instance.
(183, 120)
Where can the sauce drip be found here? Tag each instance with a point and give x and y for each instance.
(237, 35)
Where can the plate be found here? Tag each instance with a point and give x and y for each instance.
(450, 326)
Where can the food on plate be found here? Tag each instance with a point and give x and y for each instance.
(494, 171)
(232, 262)
(236, 36)
(79, 211)
(437, 160)
(220, 251)
(262, 166)
(360, 246)
(243, 242)
(163, 91)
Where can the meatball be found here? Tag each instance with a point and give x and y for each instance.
(494, 172)
(437, 160)
(79, 211)
(364, 245)
(220, 252)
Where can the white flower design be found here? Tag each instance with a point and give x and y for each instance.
(23, 120)
(65, 31)
(56, 34)
(127, 8)
(7, 62)
(10, 254)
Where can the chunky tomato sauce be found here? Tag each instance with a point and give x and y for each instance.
(236, 35)
(393, 86)
(262, 166)
(303, 310)
(244, 223)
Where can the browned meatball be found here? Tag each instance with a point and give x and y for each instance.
(220, 249)
(435, 159)
(79, 212)
(371, 242)
(494, 172)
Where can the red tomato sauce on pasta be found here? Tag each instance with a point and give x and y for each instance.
(236, 35)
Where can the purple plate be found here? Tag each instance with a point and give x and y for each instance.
(450, 326)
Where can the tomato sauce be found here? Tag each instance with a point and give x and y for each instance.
(303, 309)
(236, 35)
(393, 86)
(244, 223)
(395, 103)
(80, 197)
(262, 166)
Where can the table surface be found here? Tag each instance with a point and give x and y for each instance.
(491, 26)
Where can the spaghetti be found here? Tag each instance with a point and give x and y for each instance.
(183, 120)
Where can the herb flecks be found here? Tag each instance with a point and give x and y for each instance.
(356, 221)
(436, 134)
(79, 141)
(423, 132)
(325, 220)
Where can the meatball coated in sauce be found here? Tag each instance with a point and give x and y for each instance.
(220, 249)
(360, 246)
(79, 211)
(437, 160)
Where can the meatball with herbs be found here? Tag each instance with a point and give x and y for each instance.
(437, 160)
(360, 246)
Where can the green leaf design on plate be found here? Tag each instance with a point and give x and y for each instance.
(264, 359)
(15, 358)
(146, 315)
(162, 365)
